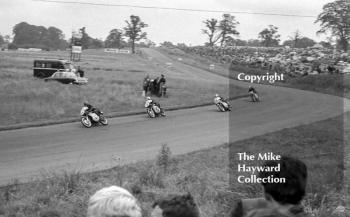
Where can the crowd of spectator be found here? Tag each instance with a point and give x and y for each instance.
(280, 199)
(292, 61)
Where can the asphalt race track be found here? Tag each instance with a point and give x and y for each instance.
(28, 152)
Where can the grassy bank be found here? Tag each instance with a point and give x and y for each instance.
(335, 84)
(115, 84)
(206, 174)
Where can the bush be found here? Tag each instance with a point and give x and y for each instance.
(163, 158)
(12, 46)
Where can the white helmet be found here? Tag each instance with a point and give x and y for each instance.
(148, 98)
(217, 95)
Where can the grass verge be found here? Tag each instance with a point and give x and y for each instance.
(206, 174)
(115, 85)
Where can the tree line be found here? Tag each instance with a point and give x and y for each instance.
(334, 19)
(31, 36)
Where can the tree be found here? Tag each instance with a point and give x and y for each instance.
(115, 39)
(253, 43)
(133, 30)
(26, 35)
(326, 44)
(236, 42)
(227, 28)
(96, 43)
(54, 38)
(167, 44)
(150, 43)
(335, 18)
(212, 31)
(269, 36)
(2, 40)
(303, 42)
(295, 38)
(85, 39)
(7, 39)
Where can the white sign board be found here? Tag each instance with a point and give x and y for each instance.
(30, 49)
(113, 50)
(76, 49)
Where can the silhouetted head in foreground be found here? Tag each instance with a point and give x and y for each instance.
(176, 206)
(293, 190)
(113, 201)
(281, 199)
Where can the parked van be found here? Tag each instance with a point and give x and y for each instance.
(47, 67)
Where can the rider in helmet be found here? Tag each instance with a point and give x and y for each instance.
(251, 89)
(218, 98)
(91, 108)
(150, 101)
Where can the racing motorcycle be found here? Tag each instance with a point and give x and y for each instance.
(153, 110)
(254, 96)
(223, 105)
(94, 117)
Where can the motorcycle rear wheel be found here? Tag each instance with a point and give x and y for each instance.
(86, 122)
(257, 99)
(221, 107)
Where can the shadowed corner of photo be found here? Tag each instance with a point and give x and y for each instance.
(320, 139)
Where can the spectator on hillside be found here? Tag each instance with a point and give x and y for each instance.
(331, 69)
(161, 83)
(146, 82)
(176, 206)
(155, 85)
(162, 79)
(281, 199)
(113, 201)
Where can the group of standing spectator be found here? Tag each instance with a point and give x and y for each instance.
(154, 86)
(295, 62)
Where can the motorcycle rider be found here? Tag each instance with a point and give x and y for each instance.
(91, 108)
(150, 101)
(252, 89)
(219, 99)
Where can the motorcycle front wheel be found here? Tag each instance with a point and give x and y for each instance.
(103, 120)
(86, 121)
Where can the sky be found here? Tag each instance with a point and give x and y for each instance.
(164, 25)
